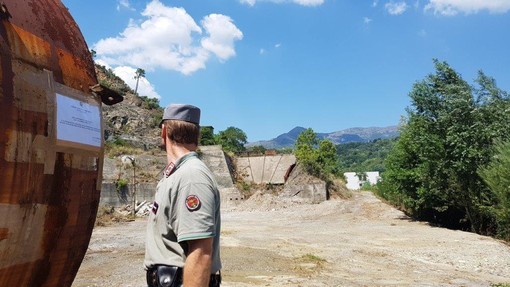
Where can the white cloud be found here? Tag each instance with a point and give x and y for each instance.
(299, 2)
(453, 7)
(170, 39)
(145, 88)
(249, 2)
(102, 63)
(124, 4)
(396, 8)
(309, 2)
(262, 51)
(374, 4)
(278, 45)
(222, 34)
(367, 20)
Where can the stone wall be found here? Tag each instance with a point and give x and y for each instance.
(110, 196)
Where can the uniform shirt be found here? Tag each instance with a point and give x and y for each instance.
(186, 207)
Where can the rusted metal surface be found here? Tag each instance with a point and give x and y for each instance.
(49, 189)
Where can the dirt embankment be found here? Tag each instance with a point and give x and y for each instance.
(269, 241)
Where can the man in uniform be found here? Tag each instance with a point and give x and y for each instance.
(183, 231)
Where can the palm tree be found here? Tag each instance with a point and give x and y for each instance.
(139, 74)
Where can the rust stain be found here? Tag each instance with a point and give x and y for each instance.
(28, 47)
(75, 72)
(4, 233)
(21, 178)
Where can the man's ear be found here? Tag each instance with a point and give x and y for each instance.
(163, 134)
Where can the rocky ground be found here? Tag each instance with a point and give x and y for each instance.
(361, 241)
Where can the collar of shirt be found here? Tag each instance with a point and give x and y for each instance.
(171, 167)
(184, 158)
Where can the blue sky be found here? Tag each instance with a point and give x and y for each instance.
(267, 66)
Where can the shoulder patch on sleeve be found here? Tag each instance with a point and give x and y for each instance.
(192, 202)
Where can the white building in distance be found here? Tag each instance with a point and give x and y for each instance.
(356, 180)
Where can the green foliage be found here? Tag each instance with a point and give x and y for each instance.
(497, 177)
(140, 73)
(327, 157)
(232, 139)
(285, 150)
(258, 149)
(311, 258)
(119, 141)
(119, 146)
(150, 103)
(112, 81)
(317, 157)
(364, 156)
(448, 134)
(305, 151)
(156, 119)
(207, 135)
(120, 184)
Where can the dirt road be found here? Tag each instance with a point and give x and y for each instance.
(267, 241)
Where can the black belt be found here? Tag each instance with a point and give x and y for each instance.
(171, 276)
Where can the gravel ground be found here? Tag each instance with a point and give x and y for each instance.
(269, 241)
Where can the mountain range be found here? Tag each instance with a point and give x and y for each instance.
(339, 137)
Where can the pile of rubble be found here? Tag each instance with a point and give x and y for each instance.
(142, 209)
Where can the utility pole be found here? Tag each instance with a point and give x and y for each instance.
(134, 187)
(126, 160)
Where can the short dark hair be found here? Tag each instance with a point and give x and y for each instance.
(182, 132)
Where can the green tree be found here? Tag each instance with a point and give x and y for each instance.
(447, 136)
(207, 135)
(364, 156)
(306, 151)
(317, 157)
(497, 177)
(232, 139)
(327, 157)
(140, 73)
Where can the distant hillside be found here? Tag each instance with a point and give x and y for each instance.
(344, 136)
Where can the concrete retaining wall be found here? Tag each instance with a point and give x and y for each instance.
(110, 195)
(313, 192)
(305, 187)
(265, 169)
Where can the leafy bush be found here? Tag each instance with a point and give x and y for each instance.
(232, 139)
(150, 103)
(497, 177)
(449, 133)
(319, 158)
(364, 156)
(120, 184)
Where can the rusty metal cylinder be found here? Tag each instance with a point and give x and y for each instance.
(51, 144)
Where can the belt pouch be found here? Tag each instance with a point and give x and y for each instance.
(168, 276)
